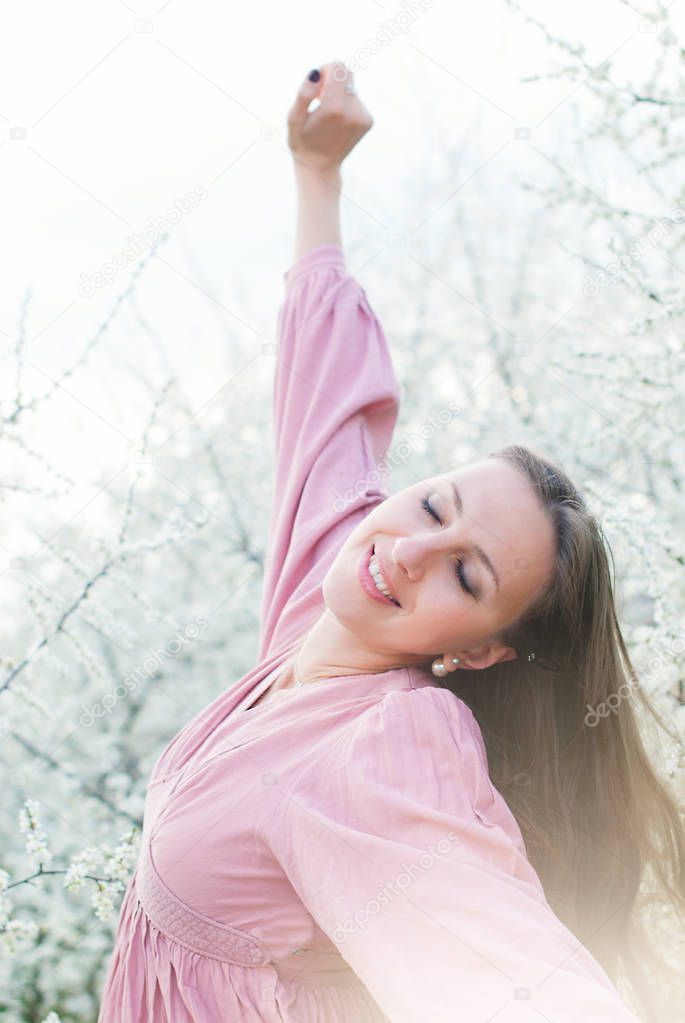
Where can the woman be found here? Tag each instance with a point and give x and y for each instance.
(324, 842)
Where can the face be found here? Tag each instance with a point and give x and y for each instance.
(462, 554)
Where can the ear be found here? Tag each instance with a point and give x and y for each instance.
(483, 657)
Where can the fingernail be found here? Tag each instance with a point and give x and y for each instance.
(314, 75)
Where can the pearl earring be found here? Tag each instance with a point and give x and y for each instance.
(438, 666)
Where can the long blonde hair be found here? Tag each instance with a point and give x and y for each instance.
(601, 829)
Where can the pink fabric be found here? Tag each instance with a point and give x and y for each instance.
(339, 855)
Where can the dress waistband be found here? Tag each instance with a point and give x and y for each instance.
(189, 928)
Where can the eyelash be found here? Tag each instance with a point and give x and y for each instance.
(460, 565)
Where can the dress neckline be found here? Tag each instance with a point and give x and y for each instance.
(260, 688)
(385, 681)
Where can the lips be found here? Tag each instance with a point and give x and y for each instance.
(367, 582)
(387, 578)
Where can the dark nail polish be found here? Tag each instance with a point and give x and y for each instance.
(314, 75)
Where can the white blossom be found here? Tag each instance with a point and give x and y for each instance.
(5, 910)
(35, 839)
(119, 864)
(85, 862)
(101, 900)
(16, 933)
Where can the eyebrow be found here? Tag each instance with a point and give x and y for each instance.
(480, 553)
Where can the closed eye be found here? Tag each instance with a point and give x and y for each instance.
(425, 504)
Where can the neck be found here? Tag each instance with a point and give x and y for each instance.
(330, 649)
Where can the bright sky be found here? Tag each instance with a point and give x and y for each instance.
(113, 111)
(126, 107)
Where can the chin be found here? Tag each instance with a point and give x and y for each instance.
(345, 606)
(335, 600)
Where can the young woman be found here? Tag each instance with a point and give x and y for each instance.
(324, 841)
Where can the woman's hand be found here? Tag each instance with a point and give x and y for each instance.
(321, 140)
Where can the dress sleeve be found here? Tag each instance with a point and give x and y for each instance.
(335, 404)
(406, 857)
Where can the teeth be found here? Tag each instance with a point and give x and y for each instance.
(375, 570)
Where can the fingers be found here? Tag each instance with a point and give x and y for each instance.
(329, 90)
(336, 80)
(324, 137)
(306, 93)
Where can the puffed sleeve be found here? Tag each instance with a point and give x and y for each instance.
(335, 404)
(410, 861)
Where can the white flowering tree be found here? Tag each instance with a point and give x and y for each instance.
(123, 626)
(547, 312)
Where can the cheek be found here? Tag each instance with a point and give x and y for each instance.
(441, 617)
(433, 620)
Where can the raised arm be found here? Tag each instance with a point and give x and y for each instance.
(319, 142)
(336, 398)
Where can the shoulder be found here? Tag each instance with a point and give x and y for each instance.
(422, 742)
(411, 757)
(432, 709)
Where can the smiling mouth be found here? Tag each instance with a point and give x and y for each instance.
(377, 577)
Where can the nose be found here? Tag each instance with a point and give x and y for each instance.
(412, 554)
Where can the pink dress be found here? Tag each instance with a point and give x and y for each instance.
(338, 855)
